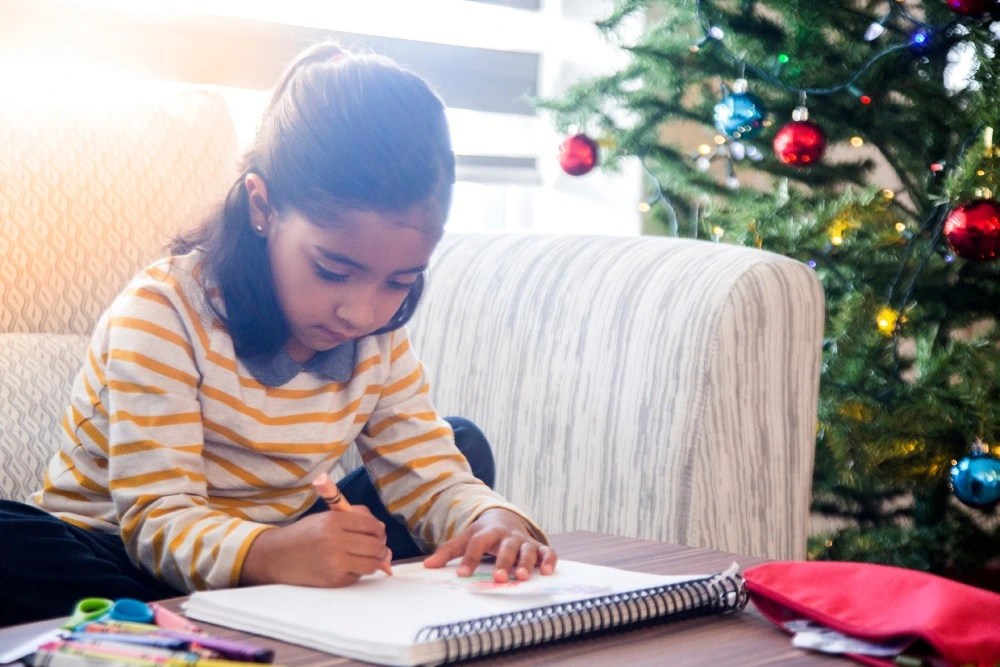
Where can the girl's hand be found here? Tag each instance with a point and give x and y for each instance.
(503, 534)
(329, 549)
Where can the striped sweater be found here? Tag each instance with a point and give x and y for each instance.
(170, 440)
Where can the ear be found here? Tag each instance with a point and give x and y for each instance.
(261, 212)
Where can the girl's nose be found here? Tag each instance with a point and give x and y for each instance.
(357, 313)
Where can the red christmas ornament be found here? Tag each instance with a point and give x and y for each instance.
(972, 7)
(973, 230)
(800, 143)
(578, 154)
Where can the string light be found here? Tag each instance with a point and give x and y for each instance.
(864, 99)
(886, 320)
(875, 30)
(714, 32)
(837, 229)
(857, 142)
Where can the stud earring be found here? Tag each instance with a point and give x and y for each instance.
(260, 229)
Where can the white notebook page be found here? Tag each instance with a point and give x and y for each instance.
(379, 618)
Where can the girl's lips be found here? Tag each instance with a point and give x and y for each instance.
(331, 335)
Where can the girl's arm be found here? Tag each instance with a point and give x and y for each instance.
(323, 549)
(156, 463)
(157, 355)
(425, 481)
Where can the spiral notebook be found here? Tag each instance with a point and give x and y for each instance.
(421, 616)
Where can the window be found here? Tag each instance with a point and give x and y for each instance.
(486, 58)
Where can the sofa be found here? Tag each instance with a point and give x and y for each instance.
(642, 386)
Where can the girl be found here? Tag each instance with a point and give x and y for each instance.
(227, 377)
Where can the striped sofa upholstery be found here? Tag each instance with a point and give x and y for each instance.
(647, 387)
(641, 386)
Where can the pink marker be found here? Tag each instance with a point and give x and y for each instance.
(170, 620)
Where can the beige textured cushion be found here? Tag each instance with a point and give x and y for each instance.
(36, 372)
(93, 184)
(92, 189)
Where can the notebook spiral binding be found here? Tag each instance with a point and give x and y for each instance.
(717, 594)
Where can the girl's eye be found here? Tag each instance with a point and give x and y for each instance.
(402, 287)
(328, 275)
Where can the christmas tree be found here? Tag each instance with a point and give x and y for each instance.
(855, 136)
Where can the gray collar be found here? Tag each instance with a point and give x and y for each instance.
(276, 369)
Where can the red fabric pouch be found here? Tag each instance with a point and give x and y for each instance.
(960, 624)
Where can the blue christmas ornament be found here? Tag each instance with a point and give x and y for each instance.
(975, 479)
(740, 115)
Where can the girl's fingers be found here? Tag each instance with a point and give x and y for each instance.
(474, 552)
(527, 558)
(507, 556)
(548, 559)
(453, 548)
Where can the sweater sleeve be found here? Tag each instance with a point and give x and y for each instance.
(156, 471)
(410, 452)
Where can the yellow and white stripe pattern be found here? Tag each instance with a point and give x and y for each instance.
(169, 439)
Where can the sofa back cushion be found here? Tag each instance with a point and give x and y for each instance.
(93, 185)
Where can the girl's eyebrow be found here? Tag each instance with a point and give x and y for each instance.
(344, 259)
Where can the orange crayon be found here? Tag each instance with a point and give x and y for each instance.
(336, 501)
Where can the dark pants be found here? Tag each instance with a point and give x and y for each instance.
(46, 564)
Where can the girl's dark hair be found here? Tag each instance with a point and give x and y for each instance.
(342, 131)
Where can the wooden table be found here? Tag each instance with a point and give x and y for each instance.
(743, 638)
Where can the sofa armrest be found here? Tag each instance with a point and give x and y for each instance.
(94, 184)
(647, 387)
